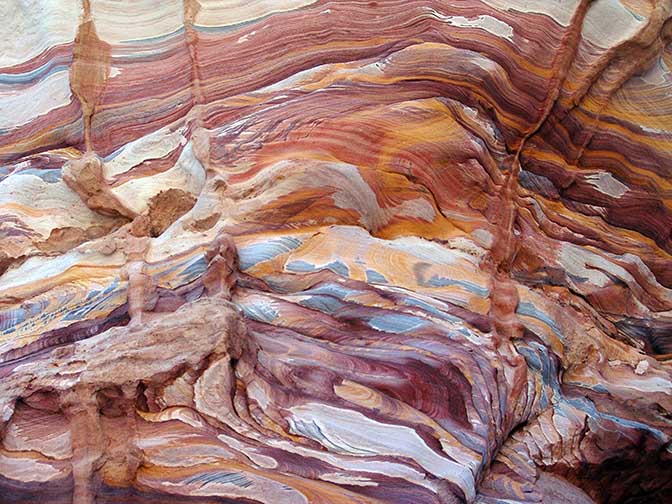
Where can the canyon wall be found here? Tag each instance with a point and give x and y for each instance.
(308, 251)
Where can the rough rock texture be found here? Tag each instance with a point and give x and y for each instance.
(293, 251)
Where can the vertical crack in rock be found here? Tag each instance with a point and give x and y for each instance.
(504, 298)
(90, 70)
(503, 293)
(87, 440)
(191, 8)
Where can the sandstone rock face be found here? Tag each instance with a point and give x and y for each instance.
(318, 251)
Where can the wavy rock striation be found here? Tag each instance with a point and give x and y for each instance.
(295, 251)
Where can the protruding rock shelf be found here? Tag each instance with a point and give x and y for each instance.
(310, 251)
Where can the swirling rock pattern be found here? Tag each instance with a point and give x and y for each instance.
(312, 251)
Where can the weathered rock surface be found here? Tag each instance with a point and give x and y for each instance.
(292, 251)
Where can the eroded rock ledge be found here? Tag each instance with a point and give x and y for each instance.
(336, 252)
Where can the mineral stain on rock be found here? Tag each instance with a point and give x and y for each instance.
(306, 251)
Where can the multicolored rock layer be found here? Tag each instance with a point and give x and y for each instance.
(307, 251)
